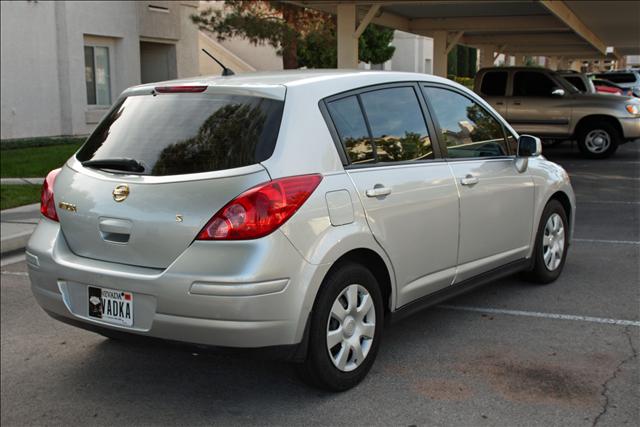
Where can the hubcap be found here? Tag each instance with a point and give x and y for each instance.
(351, 327)
(597, 141)
(553, 242)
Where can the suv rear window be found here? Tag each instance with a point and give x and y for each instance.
(618, 77)
(577, 82)
(174, 134)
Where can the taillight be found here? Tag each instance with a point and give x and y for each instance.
(47, 204)
(260, 210)
(180, 89)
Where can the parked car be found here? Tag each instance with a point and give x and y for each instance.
(540, 102)
(296, 211)
(578, 80)
(605, 86)
(627, 79)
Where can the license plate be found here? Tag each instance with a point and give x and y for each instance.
(111, 305)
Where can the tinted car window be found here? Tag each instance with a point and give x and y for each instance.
(173, 134)
(618, 77)
(577, 82)
(467, 129)
(352, 129)
(494, 83)
(397, 125)
(532, 83)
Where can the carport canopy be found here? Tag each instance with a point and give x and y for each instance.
(557, 29)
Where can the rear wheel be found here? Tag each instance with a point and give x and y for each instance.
(550, 249)
(598, 140)
(346, 328)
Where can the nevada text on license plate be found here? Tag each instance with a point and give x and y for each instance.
(111, 305)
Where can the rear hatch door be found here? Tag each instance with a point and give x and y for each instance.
(194, 153)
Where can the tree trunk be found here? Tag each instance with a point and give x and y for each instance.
(289, 43)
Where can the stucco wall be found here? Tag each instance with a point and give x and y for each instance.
(43, 82)
(30, 94)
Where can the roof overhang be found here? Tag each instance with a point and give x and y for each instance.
(578, 29)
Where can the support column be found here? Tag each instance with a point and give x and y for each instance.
(487, 57)
(347, 42)
(440, 53)
(519, 60)
(553, 62)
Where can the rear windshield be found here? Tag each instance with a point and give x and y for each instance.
(173, 134)
(618, 77)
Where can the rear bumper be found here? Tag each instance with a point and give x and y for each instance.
(246, 294)
(630, 127)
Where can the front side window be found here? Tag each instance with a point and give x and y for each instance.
(494, 83)
(352, 129)
(466, 128)
(96, 73)
(532, 83)
(397, 125)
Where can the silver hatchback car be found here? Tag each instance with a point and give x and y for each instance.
(295, 211)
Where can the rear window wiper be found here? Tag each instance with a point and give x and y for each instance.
(123, 164)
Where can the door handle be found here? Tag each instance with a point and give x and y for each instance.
(378, 191)
(469, 180)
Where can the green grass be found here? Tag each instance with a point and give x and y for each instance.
(12, 196)
(37, 158)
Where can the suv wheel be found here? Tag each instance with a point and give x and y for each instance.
(346, 328)
(598, 140)
(550, 249)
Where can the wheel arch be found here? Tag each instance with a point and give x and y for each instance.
(373, 262)
(564, 200)
(592, 118)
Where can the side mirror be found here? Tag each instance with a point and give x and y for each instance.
(557, 92)
(529, 146)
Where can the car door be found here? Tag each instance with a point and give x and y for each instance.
(532, 107)
(408, 193)
(493, 88)
(496, 200)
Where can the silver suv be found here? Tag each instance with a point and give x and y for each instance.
(540, 102)
(294, 211)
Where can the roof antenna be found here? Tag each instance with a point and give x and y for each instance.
(225, 71)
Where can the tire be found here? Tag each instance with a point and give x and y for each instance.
(319, 368)
(598, 140)
(544, 272)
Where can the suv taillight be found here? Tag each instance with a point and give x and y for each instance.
(47, 204)
(260, 210)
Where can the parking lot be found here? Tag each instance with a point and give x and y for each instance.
(511, 353)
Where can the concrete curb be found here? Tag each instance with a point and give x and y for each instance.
(15, 242)
(17, 226)
(21, 181)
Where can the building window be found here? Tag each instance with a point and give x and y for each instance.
(97, 76)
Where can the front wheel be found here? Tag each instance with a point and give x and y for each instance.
(551, 244)
(598, 140)
(346, 329)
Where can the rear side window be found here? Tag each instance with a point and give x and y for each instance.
(397, 125)
(494, 83)
(352, 129)
(618, 77)
(466, 128)
(532, 83)
(577, 82)
(174, 134)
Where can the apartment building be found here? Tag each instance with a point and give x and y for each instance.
(64, 63)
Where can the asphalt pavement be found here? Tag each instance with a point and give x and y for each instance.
(509, 354)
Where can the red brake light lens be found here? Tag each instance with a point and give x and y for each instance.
(47, 204)
(260, 210)
(180, 89)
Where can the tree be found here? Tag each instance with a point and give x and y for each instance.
(304, 37)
